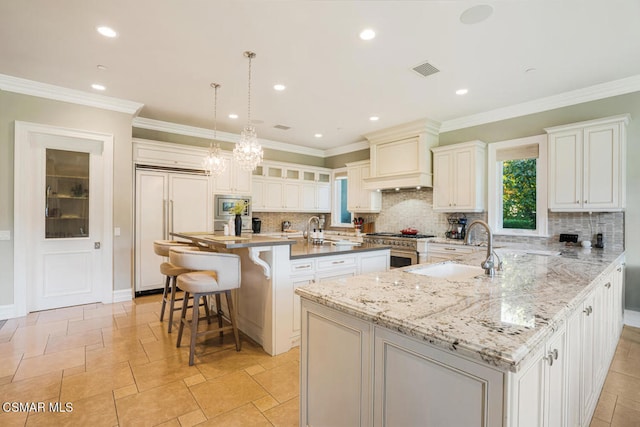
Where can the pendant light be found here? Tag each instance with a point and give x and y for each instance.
(248, 152)
(214, 164)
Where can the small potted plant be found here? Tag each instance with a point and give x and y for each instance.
(237, 209)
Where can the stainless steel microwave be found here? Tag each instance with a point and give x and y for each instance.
(222, 210)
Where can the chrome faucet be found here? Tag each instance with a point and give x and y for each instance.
(489, 264)
(308, 231)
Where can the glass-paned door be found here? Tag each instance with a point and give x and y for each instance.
(67, 194)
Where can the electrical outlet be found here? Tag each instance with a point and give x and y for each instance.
(571, 238)
(5, 234)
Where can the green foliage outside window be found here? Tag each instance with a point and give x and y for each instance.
(519, 194)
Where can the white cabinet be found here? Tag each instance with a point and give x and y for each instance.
(360, 200)
(166, 202)
(587, 165)
(437, 252)
(282, 187)
(539, 389)
(234, 179)
(459, 177)
(336, 350)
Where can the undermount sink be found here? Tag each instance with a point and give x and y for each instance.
(448, 270)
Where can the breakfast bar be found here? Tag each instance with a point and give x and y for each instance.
(272, 267)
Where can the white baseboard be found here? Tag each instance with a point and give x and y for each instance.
(7, 311)
(122, 295)
(632, 318)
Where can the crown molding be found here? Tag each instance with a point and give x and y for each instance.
(578, 96)
(405, 130)
(349, 148)
(198, 132)
(58, 93)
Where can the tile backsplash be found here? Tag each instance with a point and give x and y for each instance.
(414, 208)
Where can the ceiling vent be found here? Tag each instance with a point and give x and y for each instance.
(282, 127)
(425, 69)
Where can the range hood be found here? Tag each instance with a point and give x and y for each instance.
(401, 156)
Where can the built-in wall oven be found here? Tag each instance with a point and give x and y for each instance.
(222, 211)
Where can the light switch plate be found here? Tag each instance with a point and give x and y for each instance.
(5, 234)
(116, 231)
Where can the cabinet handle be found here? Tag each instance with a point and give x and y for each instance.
(450, 249)
(338, 262)
(303, 266)
(608, 285)
(588, 310)
(619, 269)
(555, 354)
(549, 358)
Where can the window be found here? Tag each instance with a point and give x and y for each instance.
(340, 216)
(518, 186)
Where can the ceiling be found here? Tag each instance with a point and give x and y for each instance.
(167, 53)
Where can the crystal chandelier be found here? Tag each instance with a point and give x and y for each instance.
(214, 164)
(248, 152)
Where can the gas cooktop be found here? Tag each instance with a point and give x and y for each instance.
(407, 236)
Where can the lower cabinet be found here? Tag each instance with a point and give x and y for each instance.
(355, 373)
(539, 390)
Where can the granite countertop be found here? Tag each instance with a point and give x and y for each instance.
(501, 321)
(300, 248)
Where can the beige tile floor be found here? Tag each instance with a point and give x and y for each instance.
(116, 365)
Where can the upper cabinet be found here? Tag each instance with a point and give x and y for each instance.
(400, 156)
(284, 187)
(459, 177)
(359, 199)
(587, 166)
(234, 179)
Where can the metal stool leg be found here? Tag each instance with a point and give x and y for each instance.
(219, 313)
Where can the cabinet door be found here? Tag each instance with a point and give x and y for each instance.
(565, 170)
(589, 343)
(273, 195)
(530, 394)
(223, 184)
(464, 188)
(418, 385)
(291, 195)
(354, 187)
(309, 197)
(443, 180)
(601, 167)
(335, 368)
(555, 381)
(323, 197)
(151, 224)
(189, 206)
(242, 184)
(297, 281)
(328, 276)
(574, 372)
(257, 195)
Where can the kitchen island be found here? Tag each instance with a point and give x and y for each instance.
(530, 346)
(272, 267)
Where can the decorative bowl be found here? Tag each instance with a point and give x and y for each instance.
(409, 231)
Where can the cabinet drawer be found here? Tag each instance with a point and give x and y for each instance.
(335, 262)
(302, 266)
(452, 250)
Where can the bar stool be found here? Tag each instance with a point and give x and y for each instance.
(161, 247)
(217, 273)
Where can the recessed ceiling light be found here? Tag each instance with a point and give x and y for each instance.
(397, 189)
(530, 70)
(367, 34)
(462, 91)
(318, 135)
(279, 87)
(476, 14)
(101, 67)
(97, 86)
(107, 31)
(233, 116)
(374, 118)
